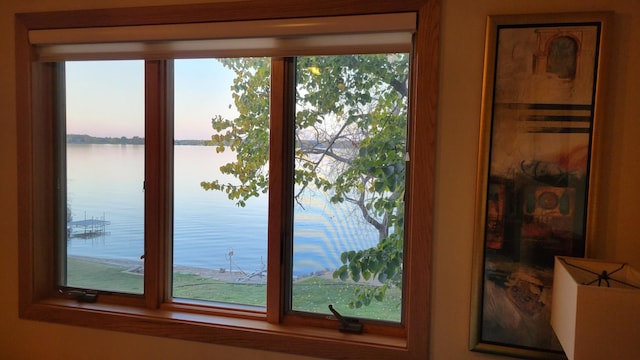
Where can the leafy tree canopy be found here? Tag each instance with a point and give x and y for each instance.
(351, 116)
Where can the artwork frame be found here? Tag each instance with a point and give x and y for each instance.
(542, 108)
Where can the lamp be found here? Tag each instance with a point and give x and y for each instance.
(595, 309)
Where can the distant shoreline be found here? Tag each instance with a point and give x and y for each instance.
(136, 140)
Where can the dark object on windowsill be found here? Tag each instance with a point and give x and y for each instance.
(348, 325)
(80, 295)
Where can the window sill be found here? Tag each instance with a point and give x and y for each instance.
(254, 332)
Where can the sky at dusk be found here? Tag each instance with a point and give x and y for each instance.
(106, 98)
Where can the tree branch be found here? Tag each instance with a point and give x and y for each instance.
(323, 153)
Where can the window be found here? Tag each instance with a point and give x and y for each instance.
(102, 174)
(229, 177)
(350, 150)
(217, 232)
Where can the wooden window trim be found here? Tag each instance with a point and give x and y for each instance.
(38, 298)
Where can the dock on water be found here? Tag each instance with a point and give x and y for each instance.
(87, 228)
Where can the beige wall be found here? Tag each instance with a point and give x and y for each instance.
(463, 24)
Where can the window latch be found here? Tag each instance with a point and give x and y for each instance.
(347, 324)
(80, 295)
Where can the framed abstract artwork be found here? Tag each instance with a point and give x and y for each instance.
(542, 110)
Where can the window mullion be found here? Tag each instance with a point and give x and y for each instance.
(280, 187)
(158, 180)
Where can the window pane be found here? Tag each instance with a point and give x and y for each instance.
(105, 175)
(220, 179)
(351, 116)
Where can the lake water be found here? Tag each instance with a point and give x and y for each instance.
(106, 181)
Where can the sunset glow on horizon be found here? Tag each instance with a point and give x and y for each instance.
(106, 98)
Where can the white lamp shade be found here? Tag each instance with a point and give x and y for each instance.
(591, 321)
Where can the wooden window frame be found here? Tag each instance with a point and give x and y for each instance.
(152, 315)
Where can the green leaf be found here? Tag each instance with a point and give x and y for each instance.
(344, 275)
(351, 255)
(388, 171)
(366, 300)
(354, 268)
(382, 277)
(366, 275)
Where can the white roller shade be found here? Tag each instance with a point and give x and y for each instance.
(286, 37)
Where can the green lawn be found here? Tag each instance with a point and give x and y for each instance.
(312, 294)
(93, 275)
